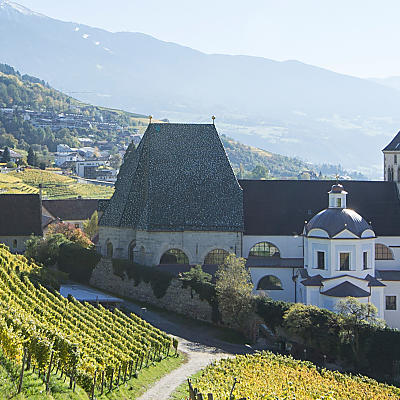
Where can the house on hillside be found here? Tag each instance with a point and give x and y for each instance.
(20, 217)
(72, 211)
(14, 156)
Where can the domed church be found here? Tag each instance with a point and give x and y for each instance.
(339, 257)
(177, 203)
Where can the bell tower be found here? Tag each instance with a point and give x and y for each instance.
(391, 155)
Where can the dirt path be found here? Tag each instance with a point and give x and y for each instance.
(199, 341)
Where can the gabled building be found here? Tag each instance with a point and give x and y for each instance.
(20, 217)
(176, 200)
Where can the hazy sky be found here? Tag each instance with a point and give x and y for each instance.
(357, 37)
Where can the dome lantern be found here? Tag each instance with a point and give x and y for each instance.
(337, 197)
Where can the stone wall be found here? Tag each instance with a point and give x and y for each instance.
(184, 301)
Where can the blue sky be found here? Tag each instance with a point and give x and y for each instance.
(354, 37)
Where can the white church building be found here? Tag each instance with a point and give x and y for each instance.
(177, 203)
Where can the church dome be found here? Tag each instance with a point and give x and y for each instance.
(335, 220)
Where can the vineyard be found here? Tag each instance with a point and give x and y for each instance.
(54, 186)
(95, 348)
(268, 376)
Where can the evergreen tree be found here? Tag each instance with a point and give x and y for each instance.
(6, 155)
(31, 157)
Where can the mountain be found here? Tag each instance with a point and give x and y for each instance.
(391, 82)
(286, 107)
(19, 129)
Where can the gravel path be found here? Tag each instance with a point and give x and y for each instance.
(199, 341)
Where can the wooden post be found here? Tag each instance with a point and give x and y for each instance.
(21, 376)
(48, 371)
(119, 374)
(102, 381)
(94, 385)
(111, 380)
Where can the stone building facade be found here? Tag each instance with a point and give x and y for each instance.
(176, 200)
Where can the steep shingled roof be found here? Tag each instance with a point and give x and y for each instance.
(394, 144)
(179, 178)
(20, 215)
(346, 289)
(71, 209)
(278, 207)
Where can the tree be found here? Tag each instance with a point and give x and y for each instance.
(196, 275)
(71, 233)
(6, 157)
(91, 226)
(355, 315)
(234, 291)
(31, 159)
(115, 161)
(317, 327)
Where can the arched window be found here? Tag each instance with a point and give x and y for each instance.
(269, 282)
(383, 252)
(216, 257)
(174, 256)
(264, 249)
(15, 244)
(110, 249)
(131, 249)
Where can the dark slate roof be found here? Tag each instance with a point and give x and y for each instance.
(315, 280)
(394, 144)
(335, 220)
(373, 281)
(20, 215)
(346, 289)
(178, 178)
(388, 275)
(277, 207)
(71, 209)
(275, 262)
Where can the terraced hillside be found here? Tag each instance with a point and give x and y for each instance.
(84, 342)
(54, 186)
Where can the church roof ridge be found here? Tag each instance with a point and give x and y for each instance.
(394, 144)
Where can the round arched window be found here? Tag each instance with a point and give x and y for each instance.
(383, 252)
(174, 256)
(269, 282)
(264, 249)
(216, 257)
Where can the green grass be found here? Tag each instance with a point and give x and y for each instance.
(135, 387)
(33, 387)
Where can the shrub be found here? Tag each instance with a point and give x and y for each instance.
(77, 261)
(271, 311)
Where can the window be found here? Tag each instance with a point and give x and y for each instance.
(338, 203)
(344, 261)
(264, 249)
(131, 249)
(15, 244)
(395, 158)
(110, 250)
(269, 282)
(216, 257)
(320, 259)
(391, 303)
(365, 260)
(398, 174)
(383, 252)
(174, 256)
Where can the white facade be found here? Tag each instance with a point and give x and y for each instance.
(335, 264)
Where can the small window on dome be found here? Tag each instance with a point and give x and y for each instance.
(338, 203)
(395, 158)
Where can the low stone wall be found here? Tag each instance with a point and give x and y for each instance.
(181, 300)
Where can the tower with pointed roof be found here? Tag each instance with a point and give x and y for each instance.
(176, 200)
(391, 155)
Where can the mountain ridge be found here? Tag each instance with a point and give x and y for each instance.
(282, 106)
